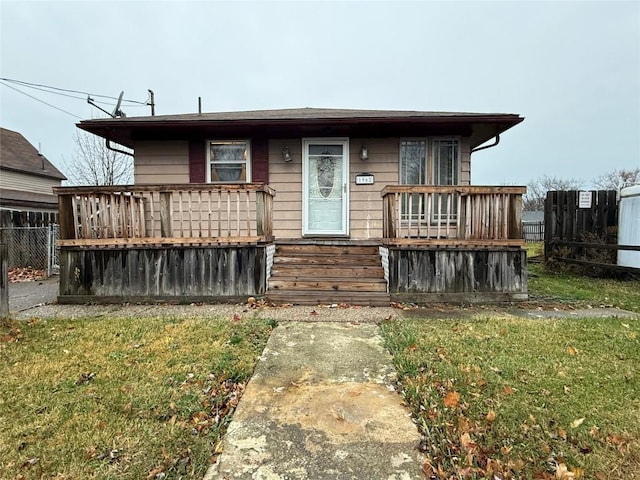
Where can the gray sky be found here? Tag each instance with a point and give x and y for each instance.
(571, 68)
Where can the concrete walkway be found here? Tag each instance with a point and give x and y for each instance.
(321, 405)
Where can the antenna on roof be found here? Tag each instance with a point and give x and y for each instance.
(116, 111)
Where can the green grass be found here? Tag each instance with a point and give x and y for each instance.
(116, 398)
(515, 397)
(583, 291)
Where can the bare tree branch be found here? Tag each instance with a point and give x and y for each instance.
(618, 179)
(94, 164)
(537, 190)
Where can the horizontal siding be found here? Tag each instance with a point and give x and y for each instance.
(29, 183)
(365, 214)
(286, 179)
(161, 162)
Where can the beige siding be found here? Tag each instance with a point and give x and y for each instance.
(28, 183)
(161, 162)
(365, 202)
(286, 180)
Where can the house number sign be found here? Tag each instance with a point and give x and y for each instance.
(365, 179)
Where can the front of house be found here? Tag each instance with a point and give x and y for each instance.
(268, 202)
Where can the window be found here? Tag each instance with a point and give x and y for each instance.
(433, 161)
(446, 162)
(413, 162)
(413, 168)
(229, 161)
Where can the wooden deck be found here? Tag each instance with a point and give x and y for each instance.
(205, 242)
(452, 216)
(148, 215)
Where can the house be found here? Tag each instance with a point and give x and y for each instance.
(297, 205)
(27, 179)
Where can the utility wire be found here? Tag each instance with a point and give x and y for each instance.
(39, 100)
(35, 85)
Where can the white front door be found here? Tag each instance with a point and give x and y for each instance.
(325, 182)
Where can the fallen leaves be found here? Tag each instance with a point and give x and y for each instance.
(26, 274)
(576, 423)
(451, 400)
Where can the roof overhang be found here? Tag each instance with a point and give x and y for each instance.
(478, 127)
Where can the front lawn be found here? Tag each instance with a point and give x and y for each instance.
(558, 284)
(120, 398)
(503, 397)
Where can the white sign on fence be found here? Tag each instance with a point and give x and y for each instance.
(584, 200)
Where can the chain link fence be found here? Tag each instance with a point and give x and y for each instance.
(32, 247)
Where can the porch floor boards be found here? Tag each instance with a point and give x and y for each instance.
(324, 273)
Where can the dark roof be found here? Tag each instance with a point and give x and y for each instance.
(17, 154)
(480, 126)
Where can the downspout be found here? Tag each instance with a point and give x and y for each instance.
(108, 144)
(477, 149)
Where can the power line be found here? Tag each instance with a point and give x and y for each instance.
(39, 100)
(41, 86)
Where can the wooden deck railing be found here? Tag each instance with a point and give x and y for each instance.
(165, 214)
(444, 215)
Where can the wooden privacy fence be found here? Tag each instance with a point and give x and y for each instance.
(581, 228)
(452, 214)
(27, 218)
(165, 214)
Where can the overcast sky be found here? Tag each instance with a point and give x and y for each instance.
(572, 69)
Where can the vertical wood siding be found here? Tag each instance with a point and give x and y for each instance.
(453, 271)
(180, 274)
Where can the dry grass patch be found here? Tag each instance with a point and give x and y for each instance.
(120, 398)
(511, 398)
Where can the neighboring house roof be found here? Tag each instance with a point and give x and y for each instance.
(17, 154)
(480, 127)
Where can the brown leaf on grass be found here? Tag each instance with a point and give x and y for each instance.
(576, 423)
(572, 351)
(491, 416)
(563, 473)
(236, 317)
(566, 389)
(562, 433)
(600, 475)
(155, 473)
(451, 400)
(313, 313)
(507, 390)
(594, 431)
(467, 443)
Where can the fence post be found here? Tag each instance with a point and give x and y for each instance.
(4, 280)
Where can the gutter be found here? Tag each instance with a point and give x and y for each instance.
(497, 141)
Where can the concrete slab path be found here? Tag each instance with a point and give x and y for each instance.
(321, 405)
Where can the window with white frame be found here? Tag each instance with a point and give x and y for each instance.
(229, 161)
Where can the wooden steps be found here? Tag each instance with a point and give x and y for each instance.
(312, 274)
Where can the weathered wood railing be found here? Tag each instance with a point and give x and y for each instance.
(452, 214)
(165, 214)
